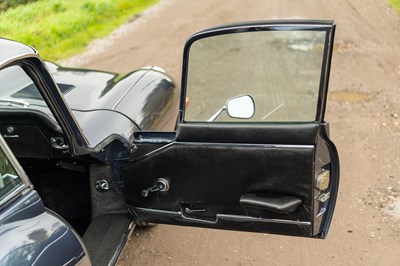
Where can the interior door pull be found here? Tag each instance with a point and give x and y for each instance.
(189, 211)
(281, 204)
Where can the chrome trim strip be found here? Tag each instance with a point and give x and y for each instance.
(323, 210)
(274, 26)
(144, 156)
(172, 213)
(18, 190)
(16, 57)
(226, 217)
(256, 145)
(10, 136)
(241, 218)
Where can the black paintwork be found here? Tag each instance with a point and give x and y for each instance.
(141, 96)
(29, 234)
(140, 100)
(145, 99)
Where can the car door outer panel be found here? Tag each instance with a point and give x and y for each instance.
(207, 177)
(326, 158)
(30, 234)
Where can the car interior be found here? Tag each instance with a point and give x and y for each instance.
(66, 184)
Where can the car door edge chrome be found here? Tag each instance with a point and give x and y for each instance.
(225, 217)
(242, 218)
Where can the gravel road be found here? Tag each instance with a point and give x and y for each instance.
(363, 111)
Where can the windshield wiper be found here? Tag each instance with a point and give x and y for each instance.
(10, 102)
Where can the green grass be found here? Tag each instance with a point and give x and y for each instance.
(6, 4)
(395, 4)
(59, 29)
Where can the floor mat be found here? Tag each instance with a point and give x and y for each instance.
(68, 195)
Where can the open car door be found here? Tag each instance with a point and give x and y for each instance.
(251, 151)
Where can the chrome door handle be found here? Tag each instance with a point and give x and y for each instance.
(189, 211)
(11, 136)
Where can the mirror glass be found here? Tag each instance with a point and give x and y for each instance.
(240, 107)
(281, 70)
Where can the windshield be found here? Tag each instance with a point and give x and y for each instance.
(19, 91)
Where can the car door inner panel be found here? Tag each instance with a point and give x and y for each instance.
(261, 178)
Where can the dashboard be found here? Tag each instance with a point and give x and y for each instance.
(32, 134)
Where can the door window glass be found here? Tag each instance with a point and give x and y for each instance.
(280, 70)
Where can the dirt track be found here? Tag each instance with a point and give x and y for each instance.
(363, 111)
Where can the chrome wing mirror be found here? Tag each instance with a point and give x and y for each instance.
(241, 107)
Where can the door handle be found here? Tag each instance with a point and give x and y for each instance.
(11, 136)
(190, 211)
(161, 185)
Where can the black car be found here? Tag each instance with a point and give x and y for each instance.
(243, 145)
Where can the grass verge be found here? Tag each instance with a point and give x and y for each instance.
(6, 4)
(59, 29)
(395, 4)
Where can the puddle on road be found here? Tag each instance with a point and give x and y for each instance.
(349, 96)
(393, 208)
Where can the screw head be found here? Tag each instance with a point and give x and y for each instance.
(10, 130)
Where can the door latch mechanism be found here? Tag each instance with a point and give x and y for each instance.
(102, 185)
(161, 185)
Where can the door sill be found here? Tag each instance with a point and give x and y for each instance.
(106, 236)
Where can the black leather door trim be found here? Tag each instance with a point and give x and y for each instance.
(295, 134)
(236, 145)
(211, 170)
